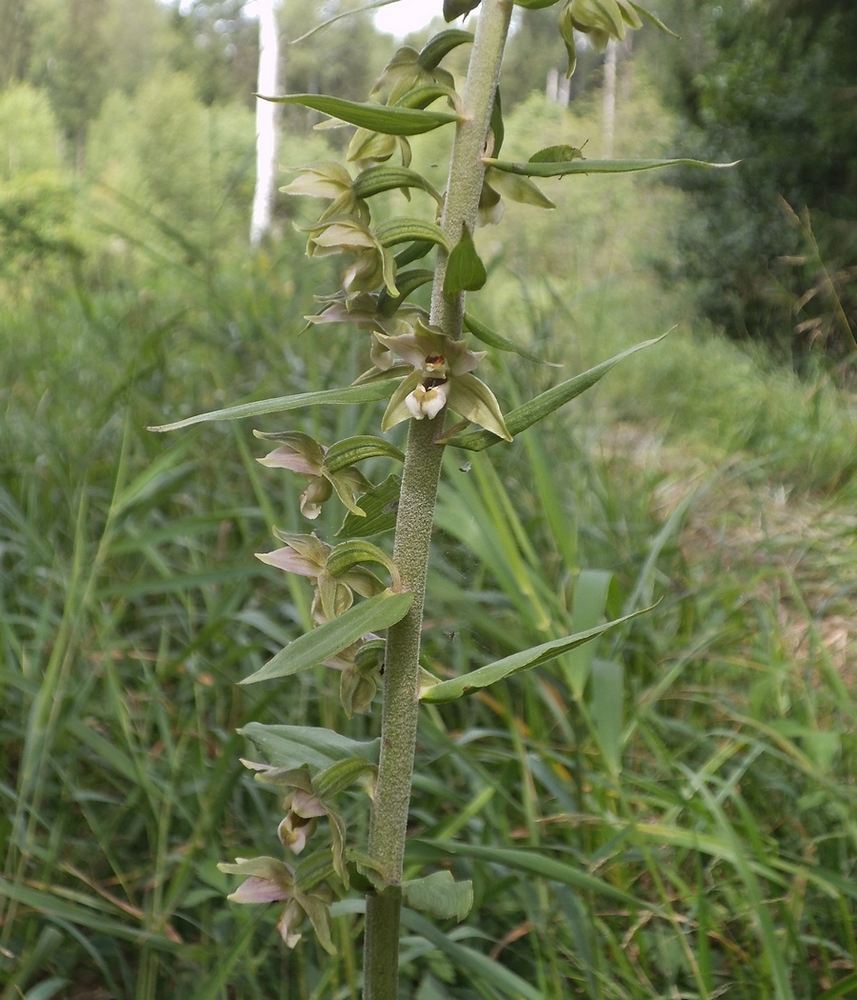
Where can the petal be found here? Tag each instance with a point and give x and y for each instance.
(290, 562)
(258, 890)
(423, 402)
(397, 409)
(472, 399)
(285, 457)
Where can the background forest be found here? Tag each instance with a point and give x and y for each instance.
(696, 833)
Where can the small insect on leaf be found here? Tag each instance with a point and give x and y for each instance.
(558, 154)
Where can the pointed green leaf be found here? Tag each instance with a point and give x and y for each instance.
(407, 230)
(535, 4)
(537, 409)
(371, 116)
(440, 895)
(443, 42)
(517, 188)
(581, 166)
(416, 251)
(307, 746)
(381, 506)
(349, 554)
(374, 180)
(336, 397)
(356, 449)
(524, 660)
(406, 282)
(494, 339)
(333, 780)
(332, 637)
(465, 272)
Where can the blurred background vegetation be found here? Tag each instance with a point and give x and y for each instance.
(692, 804)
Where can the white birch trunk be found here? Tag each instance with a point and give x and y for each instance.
(266, 123)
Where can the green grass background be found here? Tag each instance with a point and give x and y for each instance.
(668, 814)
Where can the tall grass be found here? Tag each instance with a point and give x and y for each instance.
(669, 814)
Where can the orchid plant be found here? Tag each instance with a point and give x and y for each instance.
(368, 620)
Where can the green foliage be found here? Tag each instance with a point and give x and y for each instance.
(771, 89)
(38, 233)
(29, 138)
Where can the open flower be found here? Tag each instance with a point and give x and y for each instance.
(302, 454)
(331, 181)
(307, 556)
(373, 266)
(441, 377)
(271, 881)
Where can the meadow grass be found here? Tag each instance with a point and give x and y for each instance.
(670, 814)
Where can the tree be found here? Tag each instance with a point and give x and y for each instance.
(266, 123)
(770, 83)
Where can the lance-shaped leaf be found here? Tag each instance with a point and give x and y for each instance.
(465, 271)
(545, 403)
(407, 282)
(440, 895)
(356, 552)
(374, 180)
(494, 339)
(356, 449)
(440, 44)
(457, 8)
(517, 188)
(325, 641)
(524, 660)
(337, 397)
(374, 117)
(307, 746)
(380, 505)
(581, 166)
(410, 230)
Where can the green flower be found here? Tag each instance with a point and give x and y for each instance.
(302, 454)
(333, 182)
(307, 555)
(270, 881)
(441, 377)
(373, 265)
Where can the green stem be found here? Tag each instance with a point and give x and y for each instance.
(413, 528)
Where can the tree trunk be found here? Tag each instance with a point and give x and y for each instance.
(266, 123)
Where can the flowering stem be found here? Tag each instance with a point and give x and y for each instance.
(414, 524)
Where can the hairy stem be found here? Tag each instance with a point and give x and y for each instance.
(414, 523)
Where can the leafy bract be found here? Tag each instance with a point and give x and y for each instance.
(369, 115)
(332, 637)
(545, 403)
(553, 168)
(523, 660)
(380, 506)
(440, 895)
(365, 393)
(307, 746)
(465, 271)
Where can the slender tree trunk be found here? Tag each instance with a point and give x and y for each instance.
(266, 123)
